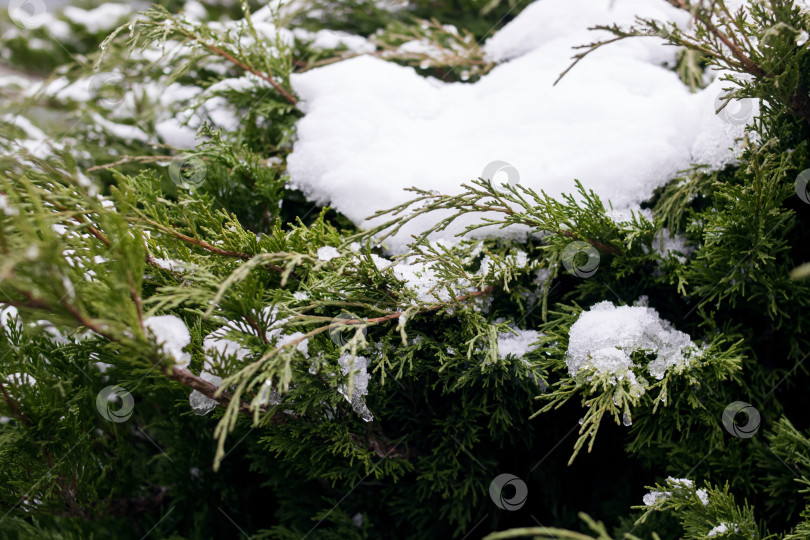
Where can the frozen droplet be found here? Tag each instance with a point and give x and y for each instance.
(626, 419)
(581, 420)
(268, 395)
(200, 403)
(360, 408)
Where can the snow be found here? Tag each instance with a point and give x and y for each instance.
(620, 122)
(517, 345)
(174, 133)
(123, 131)
(604, 337)
(216, 344)
(31, 131)
(169, 264)
(195, 10)
(668, 244)
(653, 497)
(35, 143)
(19, 379)
(172, 336)
(722, 529)
(330, 39)
(7, 314)
(100, 19)
(327, 253)
(302, 346)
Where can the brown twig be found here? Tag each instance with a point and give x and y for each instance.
(204, 245)
(82, 220)
(135, 298)
(252, 322)
(187, 378)
(13, 406)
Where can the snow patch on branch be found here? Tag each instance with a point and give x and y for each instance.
(172, 336)
(622, 122)
(604, 337)
(517, 344)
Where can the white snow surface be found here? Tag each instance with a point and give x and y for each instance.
(722, 529)
(604, 337)
(327, 253)
(7, 314)
(620, 121)
(172, 335)
(518, 345)
(101, 18)
(654, 496)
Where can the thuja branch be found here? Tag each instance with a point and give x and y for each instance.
(230, 58)
(176, 373)
(195, 241)
(517, 205)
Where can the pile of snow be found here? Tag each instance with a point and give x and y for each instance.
(677, 483)
(218, 344)
(172, 335)
(102, 18)
(722, 529)
(330, 39)
(604, 337)
(517, 344)
(8, 315)
(327, 253)
(621, 121)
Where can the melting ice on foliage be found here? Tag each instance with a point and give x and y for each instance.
(604, 337)
(359, 368)
(684, 483)
(722, 529)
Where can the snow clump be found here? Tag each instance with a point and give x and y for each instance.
(604, 337)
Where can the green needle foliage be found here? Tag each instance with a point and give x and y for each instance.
(311, 385)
